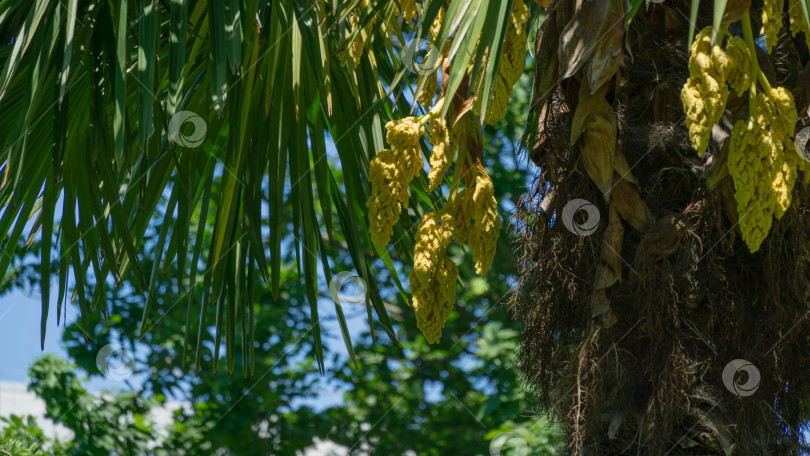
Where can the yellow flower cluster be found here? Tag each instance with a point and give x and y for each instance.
(390, 172)
(432, 238)
(384, 205)
(436, 26)
(705, 93)
(408, 8)
(471, 214)
(462, 209)
(487, 224)
(358, 45)
(749, 153)
(428, 90)
(356, 49)
(762, 166)
(797, 22)
(403, 135)
(425, 96)
(739, 60)
(772, 21)
(779, 111)
(442, 154)
(510, 67)
(433, 278)
(761, 160)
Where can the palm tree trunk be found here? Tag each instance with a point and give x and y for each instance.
(649, 326)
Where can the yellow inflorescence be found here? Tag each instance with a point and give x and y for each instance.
(779, 111)
(436, 26)
(487, 224)
(705, 93)
(762, 166)
(433, 275)
(390, 172)
(433, 278)
(462, 209)
(772, 21)
(433, 305)
(797, 22)
(761, 158)
(510, 68)
(749, 154)
(384, 204)
(432, 238)
(739, 60)
(471, 214)
(428, 91)
(358, 45)
(408, 8)
(403, 135)
(441, 156)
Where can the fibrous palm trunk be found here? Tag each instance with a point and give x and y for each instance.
(649, 326)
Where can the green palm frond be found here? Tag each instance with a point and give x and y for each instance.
(97, 100)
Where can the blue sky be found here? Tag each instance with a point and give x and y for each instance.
(20, 336)
(20, 339)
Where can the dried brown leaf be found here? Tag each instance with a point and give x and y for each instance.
(597, 146)
(607, 57)
(582, 34)
(622, 168)
(664, 238)
(610, 270)
(547, 72)
(588, 103)
(600, 309)
(625, 197)
(735, 10)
